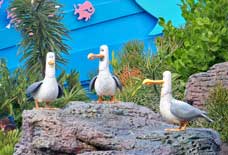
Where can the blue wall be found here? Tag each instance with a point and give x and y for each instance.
(114, 23)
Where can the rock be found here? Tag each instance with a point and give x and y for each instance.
(199, 85)
(108, 129)
(224, 149)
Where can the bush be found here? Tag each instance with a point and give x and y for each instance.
(201, 43)
(7, 141)
(12, 91)
(217, 106)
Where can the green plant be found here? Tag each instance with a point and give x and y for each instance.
(201, 43)
(8, 141)
(40, 25)
(217, 106)
(72, 89)
(133, 51)
(12, 91)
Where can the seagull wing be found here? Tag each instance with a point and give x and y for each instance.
(184, 111)
(118, 83)
(33, 87)
(60, 93)
(92, 83)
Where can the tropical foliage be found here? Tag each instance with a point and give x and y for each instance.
(12, 91)
(7, 142)
(41, 30)
(73, 91)
(201, 43)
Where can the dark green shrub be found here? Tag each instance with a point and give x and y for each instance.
(12, 91)
(201, 43)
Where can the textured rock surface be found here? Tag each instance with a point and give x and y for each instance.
(108, 129)
(199, 85)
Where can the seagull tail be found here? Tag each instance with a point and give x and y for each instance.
(207, 118)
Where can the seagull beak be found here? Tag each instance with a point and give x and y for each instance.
(51, 62)
(92, 56)
(151, 82)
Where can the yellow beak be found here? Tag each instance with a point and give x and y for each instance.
(51, 62)
(92, 56)
(151, 82)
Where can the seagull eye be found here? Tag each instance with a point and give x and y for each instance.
(102, 50)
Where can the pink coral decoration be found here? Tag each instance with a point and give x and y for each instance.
(85, 10)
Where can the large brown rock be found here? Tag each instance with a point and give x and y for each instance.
(108, 129)
(199, 85)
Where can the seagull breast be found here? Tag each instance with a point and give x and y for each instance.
(48, 91)
(105, 85)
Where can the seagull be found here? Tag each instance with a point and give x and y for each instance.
(48, 89)
(173, 110)
(105, 83)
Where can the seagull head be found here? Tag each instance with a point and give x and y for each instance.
(166, 82)
(50, 64)
(102, 56)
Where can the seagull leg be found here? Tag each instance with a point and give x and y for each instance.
(113, 99)
(48, 107)
(182, 127)
(100, 99)
(37, 104)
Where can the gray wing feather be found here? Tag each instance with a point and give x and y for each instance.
(118, 83)
(33, 87)
(60, 93)
(184, 111)
(92, 83)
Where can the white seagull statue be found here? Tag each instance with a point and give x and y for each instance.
(105, 83)
(48, 89)
(173, 110)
